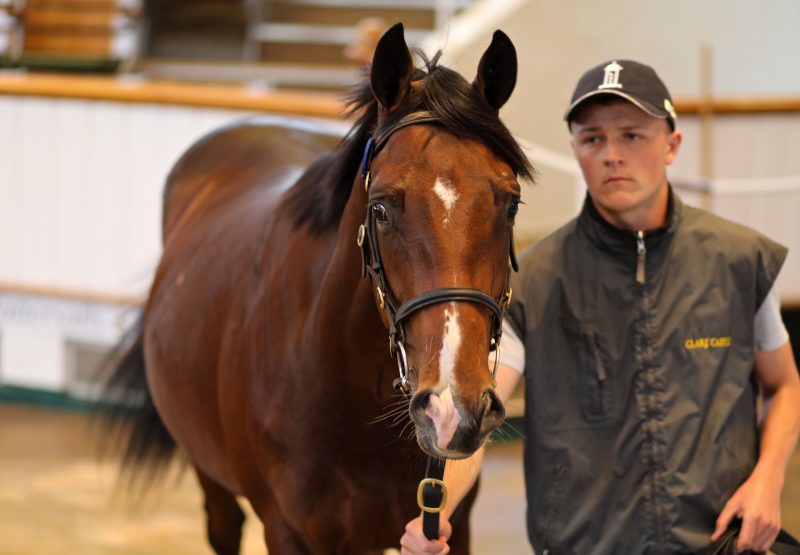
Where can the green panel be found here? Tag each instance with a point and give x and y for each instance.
(38, 397)
(54, 62)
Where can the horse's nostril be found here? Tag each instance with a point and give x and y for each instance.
(421, 400)
(487, 405)
(492, 404)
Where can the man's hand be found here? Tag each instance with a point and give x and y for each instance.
(460, 476)
(757, 503)
(414, 541)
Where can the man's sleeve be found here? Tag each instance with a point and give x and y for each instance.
(512, 349)
(770, 331)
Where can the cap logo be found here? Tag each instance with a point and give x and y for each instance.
(611, 76)
(670, 109)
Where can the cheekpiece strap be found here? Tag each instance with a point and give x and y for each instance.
(366, 159)
(375, 144)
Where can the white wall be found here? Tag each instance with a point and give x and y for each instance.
(755, 47)
(754, 44)
(745, 145)
(80, 210)
(80, 188)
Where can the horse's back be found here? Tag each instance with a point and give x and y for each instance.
(267, 152)
(220, 202)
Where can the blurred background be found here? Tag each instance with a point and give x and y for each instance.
(98, 98)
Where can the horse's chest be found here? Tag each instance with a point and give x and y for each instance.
(367, 513)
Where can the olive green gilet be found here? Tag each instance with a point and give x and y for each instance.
(640, 399)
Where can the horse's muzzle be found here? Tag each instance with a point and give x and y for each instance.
(449, 427)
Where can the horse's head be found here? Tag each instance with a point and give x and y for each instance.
(441, 177)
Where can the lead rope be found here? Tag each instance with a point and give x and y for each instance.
(432, 497)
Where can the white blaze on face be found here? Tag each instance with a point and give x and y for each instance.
(448, 195)
(441, 409)
(450, 345)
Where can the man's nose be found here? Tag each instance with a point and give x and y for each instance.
(612, 153)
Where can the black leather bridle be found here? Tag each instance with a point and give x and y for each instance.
(372, 264)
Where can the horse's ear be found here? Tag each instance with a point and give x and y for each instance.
(497, 71)
(391, 68)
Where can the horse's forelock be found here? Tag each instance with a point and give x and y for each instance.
(458, 107)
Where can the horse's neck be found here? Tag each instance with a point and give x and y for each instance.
(349, 374)
(345, 312)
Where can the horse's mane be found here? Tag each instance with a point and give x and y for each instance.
(319, 197)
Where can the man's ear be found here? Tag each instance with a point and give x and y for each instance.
(673, 146)
(497, 71)
(392, 68)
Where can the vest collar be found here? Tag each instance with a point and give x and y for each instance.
(611, 238)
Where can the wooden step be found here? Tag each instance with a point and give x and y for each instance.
(373, 4)
(261, 75)
(78, 6)
(98, 45)
(303, 53)
(314, 37)
(72, 19)
(75, 5)
(295, 33)
(320, 31)
(76, 28)
(348, 15)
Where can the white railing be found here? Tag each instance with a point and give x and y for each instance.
(770, 205)
(80, 195)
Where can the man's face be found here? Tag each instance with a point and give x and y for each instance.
(623, 153)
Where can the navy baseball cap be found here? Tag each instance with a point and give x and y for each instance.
(635, 82)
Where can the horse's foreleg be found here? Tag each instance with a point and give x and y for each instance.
(224, 517)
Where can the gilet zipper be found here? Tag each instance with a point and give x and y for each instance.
(641, 252)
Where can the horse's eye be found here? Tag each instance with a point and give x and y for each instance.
(513, 208)
(379, 211)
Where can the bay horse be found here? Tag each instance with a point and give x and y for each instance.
(263, 347)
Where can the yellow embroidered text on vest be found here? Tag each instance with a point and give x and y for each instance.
(707, 342)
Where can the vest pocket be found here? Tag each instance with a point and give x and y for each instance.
(571, 385)
(592, 384)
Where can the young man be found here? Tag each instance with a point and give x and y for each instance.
(644, 328)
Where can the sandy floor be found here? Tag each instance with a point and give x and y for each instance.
(56, 498)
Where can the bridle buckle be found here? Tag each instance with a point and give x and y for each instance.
(397, 349)
(507, 298)
(431, 483)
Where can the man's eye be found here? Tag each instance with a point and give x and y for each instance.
(379, 212)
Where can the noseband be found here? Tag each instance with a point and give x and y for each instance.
(371, 263)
